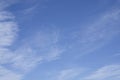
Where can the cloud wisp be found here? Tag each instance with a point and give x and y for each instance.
(69, 74)
(100, 32)
(6, 74)
(15, 64)
(66, 74)
(8, 33)
(110, 72)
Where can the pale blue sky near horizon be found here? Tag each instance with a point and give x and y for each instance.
(59, 39)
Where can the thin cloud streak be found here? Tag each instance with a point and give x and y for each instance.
(66, 74)
(6, 3)
(99, 33)
(28, 55)
(109, 72)
(6, 74)
(69, 74)
(41, 47)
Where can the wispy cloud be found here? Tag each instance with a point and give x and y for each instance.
(69, 74)
(66, 74)
(5, 55)
(99, 32)
(4, 15)
(41, 48)
(110, 72)
(6, 74)
(116, 55)
(8, 33)
(38, 48)
(6, 3)
(29, 10)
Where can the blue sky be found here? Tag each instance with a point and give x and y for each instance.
(59, 40)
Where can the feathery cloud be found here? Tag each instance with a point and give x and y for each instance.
(66, 74)
(28, 55)
(110, 72)
(7, 32)
(69, 74)
(4, 15)
(100, 32)
(6, 74)
(6, 3)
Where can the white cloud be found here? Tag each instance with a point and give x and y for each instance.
(4, 15)
(6, 3)
(100, 32)
(36, 49)
(117, 54)
(68, 74)
(5, 55)
(7, 33)
(29, 10)
(8, 29)
(25, 59)
(110, 72)
(53, 54)
(65, 74)
(40, 48)
(6, 74)
(28, 55)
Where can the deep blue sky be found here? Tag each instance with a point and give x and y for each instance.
(59, 40)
